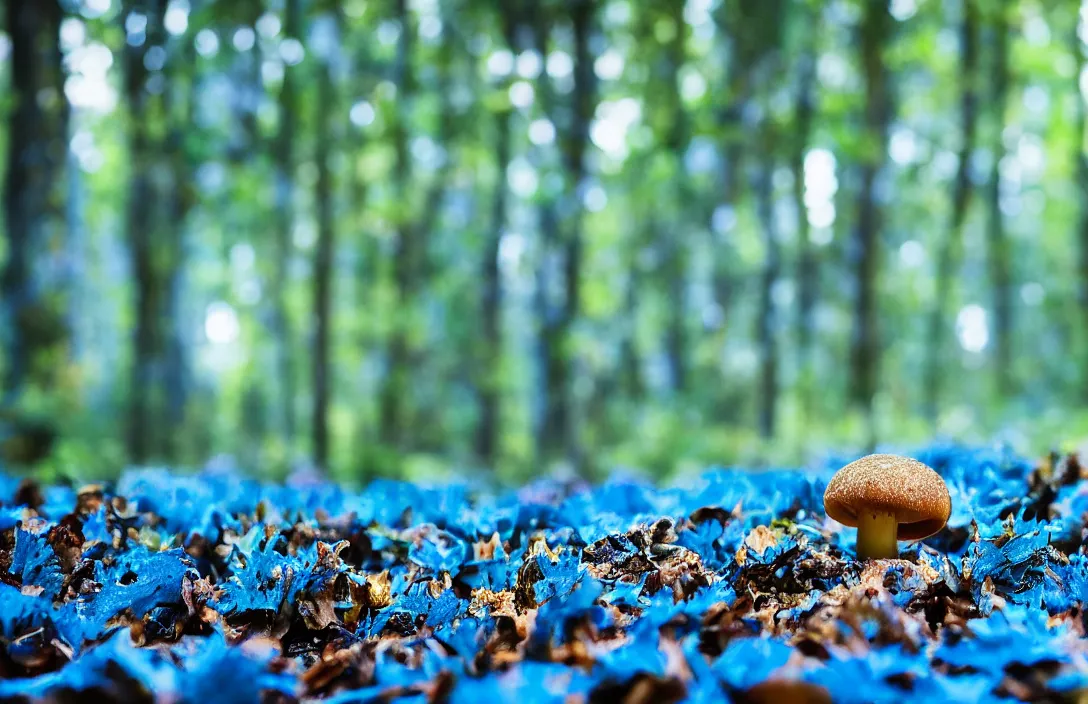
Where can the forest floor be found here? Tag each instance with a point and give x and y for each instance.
(215, 587)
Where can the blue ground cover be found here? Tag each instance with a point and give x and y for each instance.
(730, 586)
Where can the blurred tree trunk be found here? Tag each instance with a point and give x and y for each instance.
(631, 381)
(425, 231)
(1082, 173)
(755, 29)
(284, 158)
(248, 84)
(807, 263)
(488, 387)
(35, 330)
(79, 310)
(547, 434)
(556, 245)
(324, 110)
(561, 414)
(737, 89)
(769, 65)
(412, 266)
(138, 224)
(766, 320)
(149, 240)
(948, 259)
(180, 110)
(368, 268)
(396, 386)
(1000, 257)
(368, 261)
(642, 225)
(675, 242)
(876, 31)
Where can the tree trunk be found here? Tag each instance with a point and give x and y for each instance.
(552, 382)
(766, 321)
(552, 372)
(631, 381)
(394, 406)
(488, 388)
(284, 170)
(865, 345)
(676, 334)
(145, 241)
(1000, 260)
(367, 270)
(142, 385)
(676, 142)
(323, 265)
(399, 417)
(79, 309)
(34, 327)
(488, 385)
(181, 91)
(724, 277)
(642, 227)
(426, 416)
(1082, 181)
(948, 259)
(807, 265)
(561, 421)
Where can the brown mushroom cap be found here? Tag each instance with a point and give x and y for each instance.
(906, 488)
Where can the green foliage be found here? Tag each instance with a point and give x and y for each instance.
(673, 250)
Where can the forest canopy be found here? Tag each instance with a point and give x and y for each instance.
(382, 237)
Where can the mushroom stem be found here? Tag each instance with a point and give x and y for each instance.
(876, 536)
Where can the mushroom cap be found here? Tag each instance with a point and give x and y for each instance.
(901, 486)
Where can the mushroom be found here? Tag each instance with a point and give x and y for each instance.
(887, 498)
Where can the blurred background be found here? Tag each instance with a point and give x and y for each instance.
(409, 238)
